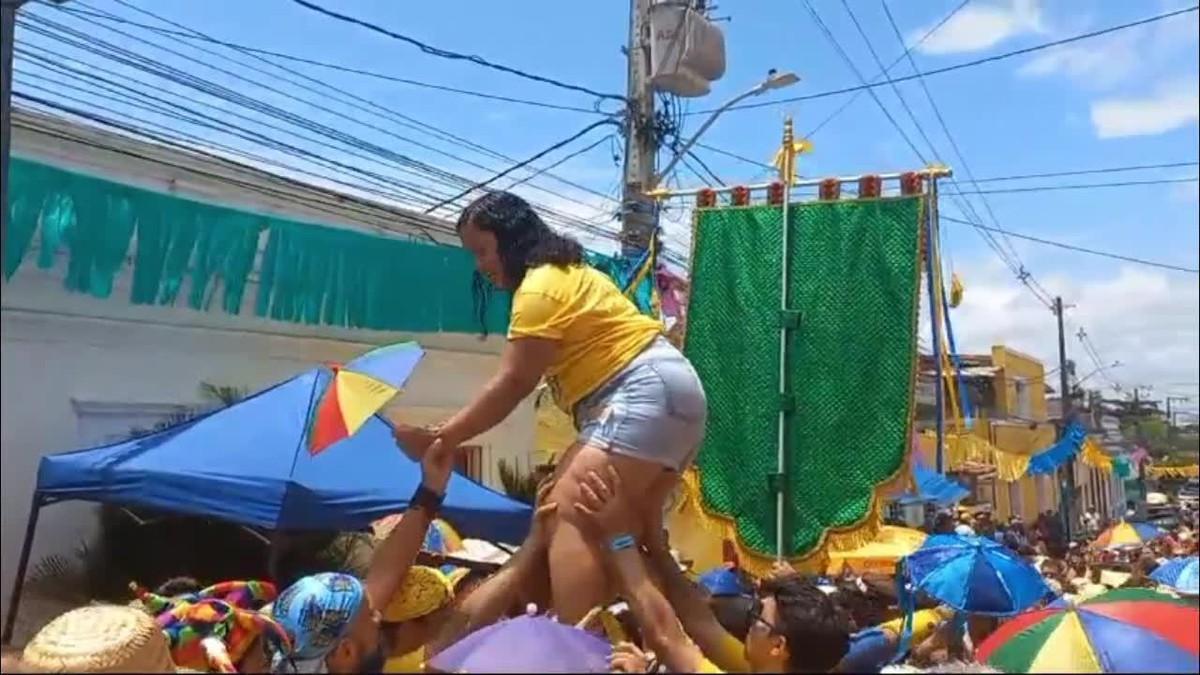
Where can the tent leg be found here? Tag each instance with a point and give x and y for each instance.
(14, 601)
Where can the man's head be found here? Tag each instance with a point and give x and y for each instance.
(795, 628)
(333, 626)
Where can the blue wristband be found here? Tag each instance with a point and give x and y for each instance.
(622, 542)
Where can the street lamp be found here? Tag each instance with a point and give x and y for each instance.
(775, 80)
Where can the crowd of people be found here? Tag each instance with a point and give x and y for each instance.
(597, 557)
(398, 616)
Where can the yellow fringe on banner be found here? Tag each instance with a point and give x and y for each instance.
(1191, 471)
(1093, 456)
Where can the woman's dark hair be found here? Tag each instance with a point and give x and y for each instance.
(523, 239)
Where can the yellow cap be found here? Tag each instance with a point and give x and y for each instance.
(424, 591)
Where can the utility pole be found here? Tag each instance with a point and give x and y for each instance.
(1171, 417)
(1064, 382)
(639, 214)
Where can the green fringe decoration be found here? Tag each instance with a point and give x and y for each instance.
(309, 273)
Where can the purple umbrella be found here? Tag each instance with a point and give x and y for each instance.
(526, 644)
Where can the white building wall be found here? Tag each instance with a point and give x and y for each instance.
(78, 370)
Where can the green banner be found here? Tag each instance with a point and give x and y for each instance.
(854, 286)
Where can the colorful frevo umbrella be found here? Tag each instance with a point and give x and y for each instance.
(357, 390)
(1181, 575)
(1129, 630)
(1125, 534)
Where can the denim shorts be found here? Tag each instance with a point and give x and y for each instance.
(653, 409)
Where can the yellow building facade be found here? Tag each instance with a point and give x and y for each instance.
(1013, 421)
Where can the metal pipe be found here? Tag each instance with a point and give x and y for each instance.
(784, 334)
(936, 318)
(807, 182)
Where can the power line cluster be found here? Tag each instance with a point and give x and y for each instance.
(59, 69)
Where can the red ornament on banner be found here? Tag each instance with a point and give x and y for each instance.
(830, 190)
(706, 198)
(775, 193)
(870, 187)
(911, 184)
(741, 196)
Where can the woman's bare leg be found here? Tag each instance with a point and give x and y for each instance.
(578, 581)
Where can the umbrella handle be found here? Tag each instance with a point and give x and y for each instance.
(589, 617)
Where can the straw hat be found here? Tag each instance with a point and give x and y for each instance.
(100, 639)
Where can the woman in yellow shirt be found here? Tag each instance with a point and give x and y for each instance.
(637, 403)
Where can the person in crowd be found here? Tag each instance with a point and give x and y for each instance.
(99, 639)
(794, 625)
(637, 403)
(332, 618)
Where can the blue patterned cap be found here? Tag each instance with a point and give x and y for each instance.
(317, 610)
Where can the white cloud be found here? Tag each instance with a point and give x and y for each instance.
(1147, 319)
(1172, 105)
(979, 26)
(1124, 57)
(1186, 192)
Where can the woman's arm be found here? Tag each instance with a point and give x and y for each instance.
(522, 364)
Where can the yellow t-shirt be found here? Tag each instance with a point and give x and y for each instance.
(598, 329)
(728, 657)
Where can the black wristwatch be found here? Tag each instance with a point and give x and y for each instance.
(426, 499)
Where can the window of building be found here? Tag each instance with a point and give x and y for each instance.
(894, 511)
(1023, 408)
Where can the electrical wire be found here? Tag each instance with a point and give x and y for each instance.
(704, 167)
(883, 73)
(338, 207)
(107, 50)
(1088, 172)
(1078, 249)
(960, 66)
(351, 100)
(69, 9)
(1010, 259)
(455, 56)
(563, 160)
(519, 165)
(1082, 186)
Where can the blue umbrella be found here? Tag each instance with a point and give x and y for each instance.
(974, 575)
(723, 580)
(1181, 574)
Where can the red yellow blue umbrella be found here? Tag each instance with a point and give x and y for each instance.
(1126, 534)
(356, 391)
(1129, 630)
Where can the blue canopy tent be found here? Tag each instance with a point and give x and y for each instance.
(932, 487)
(249, 463)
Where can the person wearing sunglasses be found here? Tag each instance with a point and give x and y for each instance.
(793, 626)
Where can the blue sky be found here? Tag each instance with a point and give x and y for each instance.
(1125, 99)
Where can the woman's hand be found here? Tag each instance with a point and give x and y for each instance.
(602, 505)
(628, 658)
(414, 441)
